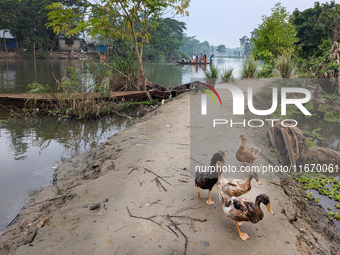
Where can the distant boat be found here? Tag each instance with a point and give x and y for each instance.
(192, 63)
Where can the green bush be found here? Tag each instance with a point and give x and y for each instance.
(284, 65)
(267, 70)
(212, 74)
(249, 69)
(227, 75)
(332, 66)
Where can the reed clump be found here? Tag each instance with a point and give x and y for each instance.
(227, 75)
(212, 74)
(115, 74)
(249, 69)
(285, 65)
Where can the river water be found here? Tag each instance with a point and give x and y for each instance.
(32, 149)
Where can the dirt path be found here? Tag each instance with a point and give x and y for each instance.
(60, 221)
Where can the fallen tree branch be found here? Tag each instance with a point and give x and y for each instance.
(185, 217)
(186, 239)
(123, 115)
(133, 169)
(159, 184)
(150, 171)
(143, 218)
(173, 231)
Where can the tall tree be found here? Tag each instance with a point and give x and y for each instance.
(246, 45)
(311, 26)
(166, 38)
(332, 16)
(275, 36)
(190, 45)
(221, 48)
(8, 17)
(130, 20)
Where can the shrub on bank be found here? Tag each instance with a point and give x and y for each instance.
(249, 69)
(266, 71)
(227, 75)
(285, 65)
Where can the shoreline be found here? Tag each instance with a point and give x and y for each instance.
(120, 175)
(51, 55)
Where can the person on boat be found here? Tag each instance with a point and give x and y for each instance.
(199, 59)
(194, 58)
(183, 59)
(205, 58)
(211, 57)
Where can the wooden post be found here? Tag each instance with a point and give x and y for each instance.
(34, 50)
(5, 41)
(16, 43)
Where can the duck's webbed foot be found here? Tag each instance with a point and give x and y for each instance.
(243, 236)
(209, 201)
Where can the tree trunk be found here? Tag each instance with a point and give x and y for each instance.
(141, 78)
(16, 43)
(5, 42)
(53, 42)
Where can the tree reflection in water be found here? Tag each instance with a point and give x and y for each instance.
(30, 148)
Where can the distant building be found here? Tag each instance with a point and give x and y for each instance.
(69, 44)
(9, 39)
(84, 44)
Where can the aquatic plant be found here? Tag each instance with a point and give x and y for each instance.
(313, 136)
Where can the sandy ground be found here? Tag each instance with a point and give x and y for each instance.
(59, 220)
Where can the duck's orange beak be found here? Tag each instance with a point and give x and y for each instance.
(269, 208)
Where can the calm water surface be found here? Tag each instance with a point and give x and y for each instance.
(16, 74)
(31, 149)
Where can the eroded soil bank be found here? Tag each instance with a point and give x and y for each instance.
(143, 171)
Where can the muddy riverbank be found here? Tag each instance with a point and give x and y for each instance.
(143, 172)
(51, 55)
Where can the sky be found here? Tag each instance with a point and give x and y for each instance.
(224, 22)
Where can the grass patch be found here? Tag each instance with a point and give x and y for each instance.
(227, 75)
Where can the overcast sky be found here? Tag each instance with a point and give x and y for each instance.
(224, 22)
